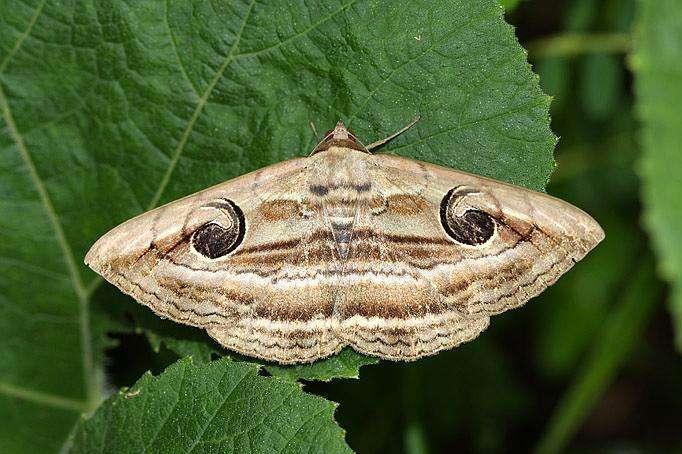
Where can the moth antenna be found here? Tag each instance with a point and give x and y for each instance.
(312, 126)
(319, 142)
(363, 145)
(382, 142)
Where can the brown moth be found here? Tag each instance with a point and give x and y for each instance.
(394, 257)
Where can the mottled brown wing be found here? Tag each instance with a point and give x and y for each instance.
(233, 259)
(453, 249)
(397, 258)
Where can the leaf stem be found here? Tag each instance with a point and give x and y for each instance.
(615, 342)
(43, 398)
(572, 44)
(414, 437)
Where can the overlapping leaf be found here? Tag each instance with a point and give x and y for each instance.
(220, 406)
(657, 63)
(111, 108)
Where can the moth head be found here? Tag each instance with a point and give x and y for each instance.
(339, 137)
(466, 215)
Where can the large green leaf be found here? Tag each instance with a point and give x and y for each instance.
(222, 406)
(657, 63)
(112, 107)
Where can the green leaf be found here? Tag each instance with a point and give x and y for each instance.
(222, 406)
(110, 108)
(657, 63)
(509, 5)
(346, 365)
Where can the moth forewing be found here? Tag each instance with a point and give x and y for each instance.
(394, 257)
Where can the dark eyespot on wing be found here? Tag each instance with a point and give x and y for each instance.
(214, 240)
(474, 227)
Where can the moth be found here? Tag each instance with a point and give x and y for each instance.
(394, 257)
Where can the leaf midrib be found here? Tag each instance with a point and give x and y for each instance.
(198, 110)
(229, 58)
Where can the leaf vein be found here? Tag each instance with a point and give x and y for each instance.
(298, 35)
(173, 408)
(426, 51)
(463, 126)
(36, 14)
(212, 417)
(177, 54)
(300, 428)
(197, 113)
(42, 398)
(92, 393)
